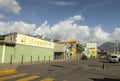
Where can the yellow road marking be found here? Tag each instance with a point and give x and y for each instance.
(28, 78)
(7, 71)
(12, 76)
(48, 79)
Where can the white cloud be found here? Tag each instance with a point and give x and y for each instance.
(116, 34)
(65, 29)
(20, 27)
(63, 3)
(100, 35)
(68, 29)
(44, 29)
(75, 18)
(9, 6)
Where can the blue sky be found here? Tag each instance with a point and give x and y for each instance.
(94, 17)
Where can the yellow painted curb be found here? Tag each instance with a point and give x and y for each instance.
(7, 71)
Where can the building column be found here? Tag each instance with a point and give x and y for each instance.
(3, 53)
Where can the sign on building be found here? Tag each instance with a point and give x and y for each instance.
(27, 40)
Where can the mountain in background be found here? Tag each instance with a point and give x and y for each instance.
(109, 46)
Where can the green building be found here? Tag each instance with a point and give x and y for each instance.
(16, 47)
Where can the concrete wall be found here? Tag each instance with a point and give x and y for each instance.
(1, 48)
(26, 51)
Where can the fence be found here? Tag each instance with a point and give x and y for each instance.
(39, 59)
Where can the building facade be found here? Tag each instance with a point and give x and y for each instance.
(22, 48)
(91, 50)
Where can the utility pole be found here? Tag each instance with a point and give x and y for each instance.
(117, 47)
(118, 42)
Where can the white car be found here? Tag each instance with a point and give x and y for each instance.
(114, 58)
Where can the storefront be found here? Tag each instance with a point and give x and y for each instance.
(22, 48)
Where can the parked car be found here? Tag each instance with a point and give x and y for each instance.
(114, 58)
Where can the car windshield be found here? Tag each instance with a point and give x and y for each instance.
(114, 56)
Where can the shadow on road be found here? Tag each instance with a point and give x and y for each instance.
(105, 79)
(102, 73)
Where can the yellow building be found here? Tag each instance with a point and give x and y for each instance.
(73, 45)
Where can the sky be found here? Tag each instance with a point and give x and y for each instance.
(85, 20)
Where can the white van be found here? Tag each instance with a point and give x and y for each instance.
(114, 58)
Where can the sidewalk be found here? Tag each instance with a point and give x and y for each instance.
(9, 66)
(5, 66)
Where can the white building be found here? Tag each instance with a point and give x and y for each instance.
(91, 49)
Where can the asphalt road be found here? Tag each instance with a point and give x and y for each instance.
(82, 70)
